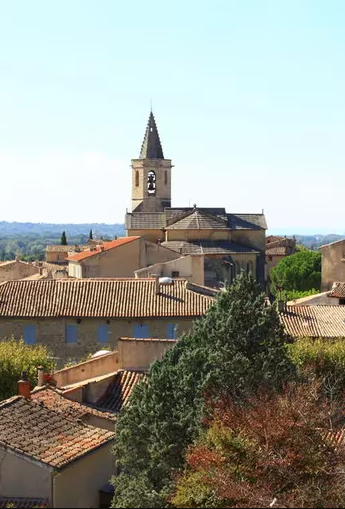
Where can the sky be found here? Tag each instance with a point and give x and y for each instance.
(248, 96)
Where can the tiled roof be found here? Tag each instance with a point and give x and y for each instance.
(274, 238)
(119, 390)
(197, 219)
(52, 399)
(207, 247)
(58, 248)
(277, 251)
(247, 221)
(32, 429)
(120, 298)
(338, 291)
(314, 321)
(106, 246)
(13, 262)
(172, 213)
(23, 503)
(151, 147)
(145, 220)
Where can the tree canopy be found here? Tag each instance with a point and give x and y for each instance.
(235, 350)
(298, 272)
(16, 357)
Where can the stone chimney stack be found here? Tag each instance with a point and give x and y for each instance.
(156, 276)
(40, 376)
(24, 386)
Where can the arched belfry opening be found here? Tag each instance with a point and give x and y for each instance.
(151, 182)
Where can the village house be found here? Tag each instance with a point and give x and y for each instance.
(59, 253)
(332, 264)
(51, 456)
(333, 297)
(190, 267)
(277, 248)
(326, 322)
(75, 317)
(228, 242)
(16, 269)
(118, 258)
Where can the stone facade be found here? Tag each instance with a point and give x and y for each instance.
(190, 267)
(52, 333)
(16, 269)
(333, 264)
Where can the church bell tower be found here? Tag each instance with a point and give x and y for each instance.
(151, 174)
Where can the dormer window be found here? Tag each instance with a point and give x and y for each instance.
(151, 182)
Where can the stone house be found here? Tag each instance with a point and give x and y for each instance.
(228, 242)
(16, 269)
(59, 254)
(46, 455)
(76, 317)
(118, 258)
(190, 267)
(277, 247)
(332, 264)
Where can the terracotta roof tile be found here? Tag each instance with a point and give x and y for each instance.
(145, 220)
(120, 298)
(314, 321)
(278, 251)
(52, 399)
(206, 247)
(338, 291)
(70, 248)
(106, 246)
(247, 221)
(47, 436)
(23, 503)
(119, 390)
(198, 219)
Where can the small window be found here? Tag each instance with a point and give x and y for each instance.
(137, 179)
(175, 273)
(71, 334)
(171, 331)
(270, 258)
(30, 334)
(102, 334)
(141, 331)
(166, 177)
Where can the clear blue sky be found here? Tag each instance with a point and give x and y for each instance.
(249, 99)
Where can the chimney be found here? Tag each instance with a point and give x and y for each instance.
(24, 386)
(40, 271)
(281, 306)
(40, 377)
(156, 276)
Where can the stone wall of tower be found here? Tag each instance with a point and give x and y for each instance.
(141, 199)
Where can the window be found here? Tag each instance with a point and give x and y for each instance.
(102, 335)
(141, 331)
(71, 334)
(270, 258)
(137, 179)
(30, 334)
(151, 182)
(175, 273)
(165, 177)
(171, 331)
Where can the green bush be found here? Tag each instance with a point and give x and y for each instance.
(298, 272)
(16, 357)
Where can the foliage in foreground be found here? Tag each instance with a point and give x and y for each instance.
(236, 349)
(298, 272)
(273, 448)
(16, 357)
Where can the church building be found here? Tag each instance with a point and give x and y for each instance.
(229, 242)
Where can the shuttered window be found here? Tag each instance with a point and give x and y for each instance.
(171, 331)
(30, 334)
(141, 331)
(102, 333)
(71, 334)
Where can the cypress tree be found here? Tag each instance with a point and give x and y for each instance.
(90, 235)
(64, 239)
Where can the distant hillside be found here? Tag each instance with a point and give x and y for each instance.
(315, 241)
(15, 229)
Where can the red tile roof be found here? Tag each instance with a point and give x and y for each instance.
(52, 399)
(107, 298)
(314, 321)
(338, 291)
(119, 390)
(277, 251)
(23, 503)
(106, 246)
(39, 433)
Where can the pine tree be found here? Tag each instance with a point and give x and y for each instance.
(90, 235)
(236, 349)
(64, 239)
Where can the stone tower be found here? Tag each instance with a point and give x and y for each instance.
(151, 174)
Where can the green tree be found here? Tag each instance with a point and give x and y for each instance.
(90, 235)
(238, 347)
(63, 239)
(300, 271)
(16, 357)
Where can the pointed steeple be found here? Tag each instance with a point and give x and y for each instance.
(151, 147)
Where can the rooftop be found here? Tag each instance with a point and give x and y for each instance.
(338, 291)
(106, 246)
(110, 298)
(206, 247)
(59, 248)
(278, 251)
(39, 433)
(119, 390)
(23, 503)
(314, 321)
(198, 219)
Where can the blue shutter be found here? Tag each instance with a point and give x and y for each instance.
(171, 331)
(141, 331)
(30, 334)
(71, 333)
(102, 335)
